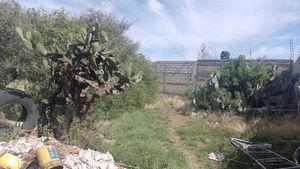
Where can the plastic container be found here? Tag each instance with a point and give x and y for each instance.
(10, 161)
(48, 158)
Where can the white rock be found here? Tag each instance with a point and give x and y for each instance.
(103, 165)
(68, 162)
(112, 166)
(108, 157)
(98, 157)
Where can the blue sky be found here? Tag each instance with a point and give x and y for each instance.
(175, 29)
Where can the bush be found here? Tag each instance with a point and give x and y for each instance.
(189, 92)
(134, 98)
(232, 86)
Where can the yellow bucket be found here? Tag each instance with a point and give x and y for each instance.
(48, 158)
(9, 161)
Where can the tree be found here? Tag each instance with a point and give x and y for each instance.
(84, 71)
(56, 29)
(11, 52)
(124, 48)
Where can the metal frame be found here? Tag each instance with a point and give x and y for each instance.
(261, 153)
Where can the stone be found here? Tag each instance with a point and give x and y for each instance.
(112, 166)
(98, 157)
(68, 162)
(103, 165)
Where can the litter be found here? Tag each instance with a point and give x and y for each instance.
(216, 156)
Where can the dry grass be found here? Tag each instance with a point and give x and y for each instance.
(284, 127)
(210, 132)
(167, 102)
(19, 84)
(225, 120)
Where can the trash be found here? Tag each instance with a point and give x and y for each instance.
(89, 159)
(8, 160)
(48, 158)
(216, 156)
(29, 147)
(216, 124)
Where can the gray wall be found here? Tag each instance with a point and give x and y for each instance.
(176, 76)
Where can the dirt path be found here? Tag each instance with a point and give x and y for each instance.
(176, 120)
(169, 108)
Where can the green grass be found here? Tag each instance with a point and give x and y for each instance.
(203, 139)
(141, 140)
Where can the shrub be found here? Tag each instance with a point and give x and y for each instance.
(232, 86)
(189, 92)
(134, 98)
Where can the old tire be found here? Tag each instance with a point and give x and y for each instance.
(30, 112)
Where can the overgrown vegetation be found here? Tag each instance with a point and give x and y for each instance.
(119, 123)
(139, 138)
(242, 84)
(56, 29)
(209, 133)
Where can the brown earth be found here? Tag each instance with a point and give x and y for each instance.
(170, 108)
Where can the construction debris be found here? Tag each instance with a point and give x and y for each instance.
(72, 157)
(216, 156)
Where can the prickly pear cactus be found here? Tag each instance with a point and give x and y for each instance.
(84, 71)
(213, 97)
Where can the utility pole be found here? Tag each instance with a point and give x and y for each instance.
(291, 52)
(291, 49)
(250, 52)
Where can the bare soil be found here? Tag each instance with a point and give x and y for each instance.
(175, 121)
(170, 108)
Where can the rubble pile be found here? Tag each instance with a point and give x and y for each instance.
(90, 159)
(72, 157)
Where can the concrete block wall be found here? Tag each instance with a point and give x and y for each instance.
(176, 76)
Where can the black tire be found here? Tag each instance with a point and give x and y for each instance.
(30, 114)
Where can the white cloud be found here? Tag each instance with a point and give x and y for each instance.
(169, 29)
(186, 24)
(155, 6)
(105, 6)
(282, 52)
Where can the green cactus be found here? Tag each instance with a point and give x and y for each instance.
(86, 70)
(104, 36)
(28, 35)
(20, 33)
(40, 49)
(32, 41)
(28, 44)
